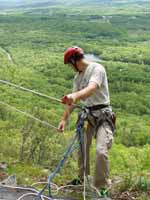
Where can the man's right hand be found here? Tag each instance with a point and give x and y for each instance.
(61, 126)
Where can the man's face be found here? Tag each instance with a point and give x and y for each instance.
(73, 67)
(79, 65)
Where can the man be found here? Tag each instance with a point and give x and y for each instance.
(91, 87)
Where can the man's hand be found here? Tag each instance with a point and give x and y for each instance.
(69, 99)
(61, 126)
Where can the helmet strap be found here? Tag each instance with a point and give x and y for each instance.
(73, 62)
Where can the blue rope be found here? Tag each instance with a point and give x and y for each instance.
(70, 149)
(38, 197)
(61, 163)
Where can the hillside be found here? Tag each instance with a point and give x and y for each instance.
(32, 43)
(7, 4)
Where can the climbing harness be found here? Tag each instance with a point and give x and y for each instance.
(105, 115)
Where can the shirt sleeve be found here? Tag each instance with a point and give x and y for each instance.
(97, 76)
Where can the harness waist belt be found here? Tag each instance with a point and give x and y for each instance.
(96, 107)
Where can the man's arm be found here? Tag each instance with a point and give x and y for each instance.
(86, 92)
(72, 99)
(82, 94)
(66, 114)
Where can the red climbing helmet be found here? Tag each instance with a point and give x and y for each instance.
(73, 54)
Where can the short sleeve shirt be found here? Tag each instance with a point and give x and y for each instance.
(93, 73)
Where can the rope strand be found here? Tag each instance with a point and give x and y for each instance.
(29, 90)
(29, 115)
(35, 92)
